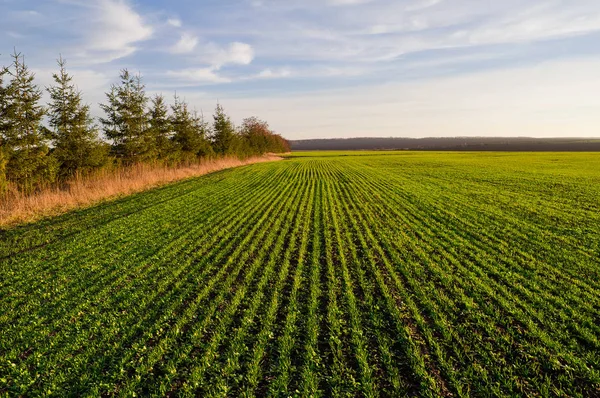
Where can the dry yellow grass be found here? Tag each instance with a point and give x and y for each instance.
(17, 208)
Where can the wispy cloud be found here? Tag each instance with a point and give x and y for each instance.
(186, 44)
(235, 53)
(348, 2)
(274, 73)
(198, 75)
(176, 22)
(114, 30)
(343, 55)
(518, 101)
(385, 30)
(214, 58)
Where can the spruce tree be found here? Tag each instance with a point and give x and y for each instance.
(29, 163)
(160, 130)
(223, 132)
(3, 105)
(202, 129)
(3, 102)
(126, 122)
(189, 132)
(3, 162)
(75, 137)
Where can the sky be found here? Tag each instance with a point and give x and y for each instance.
(334, 68)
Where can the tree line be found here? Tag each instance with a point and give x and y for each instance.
(495, 144)
(42, 144)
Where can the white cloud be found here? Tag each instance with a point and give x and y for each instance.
(537, 23)
(274, 73)
(327, 44)
(236, 53)
(114, 29)
(215, 58)
(348, 2)
(186, 44)
(308, 72)
(176, 22)
(384, 30)
(420, 5)
(549, 99)
(198, 75)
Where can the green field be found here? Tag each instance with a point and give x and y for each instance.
(325, 274)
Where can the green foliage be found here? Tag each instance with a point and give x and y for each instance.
(223, 132)
(260, 138)
(35, 155)
(189, 132)
(75, 137)
(22, 135)
(160, 130)
(3, 102)
(205, 149)
(327, 274)
(3, 162)
(3, 152)
(126, 122)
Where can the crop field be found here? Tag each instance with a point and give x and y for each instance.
(324, 274)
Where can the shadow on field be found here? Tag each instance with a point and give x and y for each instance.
(28, 237)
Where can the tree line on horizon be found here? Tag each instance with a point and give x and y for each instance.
(44, 144)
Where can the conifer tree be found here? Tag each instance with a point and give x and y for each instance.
(3, 102)
(29, 163)
(160, 129)
(126, 122)
(3, 105)
(223, 132)
(75, 137)
(202, 129)
(3, 162)
(189, 132)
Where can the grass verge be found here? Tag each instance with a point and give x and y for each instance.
(82, 191)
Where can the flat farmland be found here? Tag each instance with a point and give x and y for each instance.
(324, 274)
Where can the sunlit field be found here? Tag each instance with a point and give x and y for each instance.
(324, 274)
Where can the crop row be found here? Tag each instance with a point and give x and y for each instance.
(379, 275)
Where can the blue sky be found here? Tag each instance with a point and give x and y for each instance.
(335, 68)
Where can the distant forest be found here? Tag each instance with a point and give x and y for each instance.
(452, 144)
